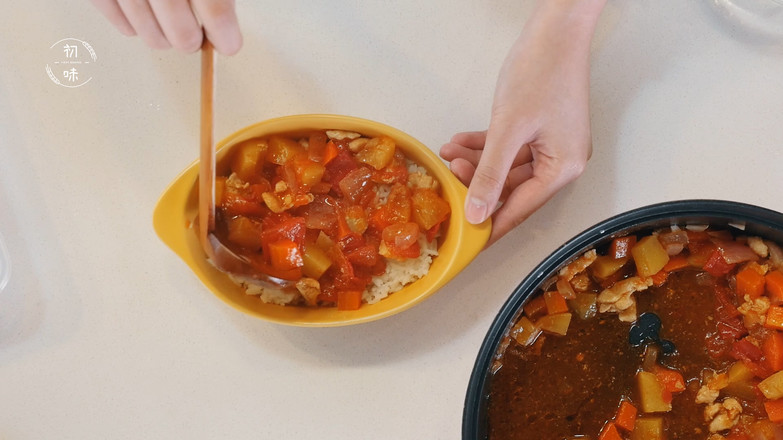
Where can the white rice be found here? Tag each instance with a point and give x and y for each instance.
(401, 273)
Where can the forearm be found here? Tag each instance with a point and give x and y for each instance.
(564, 26)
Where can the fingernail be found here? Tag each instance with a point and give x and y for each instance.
(475, 210)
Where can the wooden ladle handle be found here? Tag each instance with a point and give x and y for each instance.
(206, 190)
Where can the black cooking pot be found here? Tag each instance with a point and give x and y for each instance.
(753, 220)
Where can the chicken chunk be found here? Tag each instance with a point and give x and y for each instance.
(710, 390)
(723, 415)
(342, 134)
(578, 265)
(619, 298)
(757, 245)
(419, 180)
(310, 289)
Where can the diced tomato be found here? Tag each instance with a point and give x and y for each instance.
(732, 330)
(745, 350)
(321, 213)
(246, 201)
(365, 255)
(716, 265)
(397, 208)
(621, 246)
(395, 172)
(283, 226)
(400, 241)
(433, 232)
(342, 164)
(355, 183)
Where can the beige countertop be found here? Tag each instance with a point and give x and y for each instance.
(106, 334)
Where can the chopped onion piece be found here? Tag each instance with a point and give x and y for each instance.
(734, 252)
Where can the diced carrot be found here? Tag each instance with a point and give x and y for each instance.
(774, 410)
(609, 432)
(621, 246)
(330, 152)
(750, 282)
(676, 262)
(774, 318)
(660, 277)
(535, 308)
(285, 255)
(349, 299)
(626, 416)
(555, 303)
(774, 284)
(773, 350)
(671, 380)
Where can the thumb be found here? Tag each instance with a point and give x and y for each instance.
(491, 172)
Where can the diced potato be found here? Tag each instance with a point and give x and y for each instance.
(377, 152)
(606, 266)
(651, 393)
(309, 172)
(772, 387)
(244, 232)
(248, 158)
(739, 372)
(584, 305)
(429, 208)
(282, 149)
(525, 332)
(648, 428)
(556, 324)
(649, 256)
(315, 261)
(323, 241)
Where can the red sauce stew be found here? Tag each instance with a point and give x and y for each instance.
(676, 334)
(325, 209)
